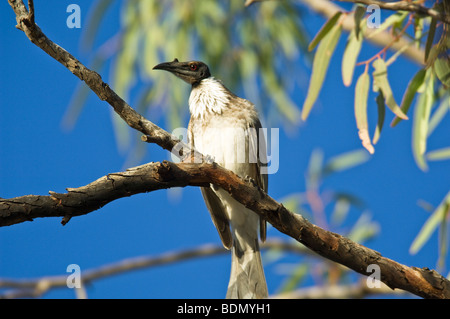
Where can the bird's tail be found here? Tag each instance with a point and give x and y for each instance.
(247, 279)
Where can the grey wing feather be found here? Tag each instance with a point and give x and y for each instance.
(262, 180)
(218, 216)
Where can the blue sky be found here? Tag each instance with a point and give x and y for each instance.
(38, 155)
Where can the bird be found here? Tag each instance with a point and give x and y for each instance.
(227, 128)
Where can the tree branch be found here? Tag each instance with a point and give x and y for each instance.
(382, 39)
(22, 288)
(149, 177)
(393, 6)
(405, 6)
(350, 291)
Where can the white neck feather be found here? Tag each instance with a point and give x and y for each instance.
(209, 96)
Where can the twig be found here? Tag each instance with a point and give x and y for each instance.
(394, 40)
(383, 39)
(350, 291)
(405, 6)
(394, 6)
(23, 288)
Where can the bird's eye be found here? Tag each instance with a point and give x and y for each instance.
(193, 67)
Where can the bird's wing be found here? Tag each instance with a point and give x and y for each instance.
(218, 216)
(257, 144)
(214, 205)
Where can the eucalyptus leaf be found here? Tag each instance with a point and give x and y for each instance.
(297, 275)
(420, 123)
(430, 38)
(350, 56)
(360, 11)
(439, 155)
(410, 93)
(397, 17)
(363, 229)
(345, 161)
(381, 107)
(381, 80)
(439, 214)
(93, 21)
(320, 65)
(442, 69)
(440, 112)
(361, 95)
(331, 22)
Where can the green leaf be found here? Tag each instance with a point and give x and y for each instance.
(410, 93)
(292, 202)
(381, 114)
(350, 56)
(277, 92)
(418, 30)
(345, 161)
(363, 229)
(430, 38)
(361, 94)
(76, 105)
(398, 52)
(93, 21)
(315, 169)
(381, 81)
(431, 224)
(296, 277)
(81, 95)
(360, 11)
(439, 113)
(340, 211)
(442, 69)
(397, 17)
(420, 124)
(324, 30)
(320, 66)
(439, 155)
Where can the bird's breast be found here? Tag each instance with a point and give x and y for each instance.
(207, 98)
(228, 140)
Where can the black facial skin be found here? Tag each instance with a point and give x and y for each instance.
(191, 72)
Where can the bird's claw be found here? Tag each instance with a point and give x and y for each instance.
(209, 159)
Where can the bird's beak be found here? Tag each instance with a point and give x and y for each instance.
(169, 66)
(179, 69)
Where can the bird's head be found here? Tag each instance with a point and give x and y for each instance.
(191, 72)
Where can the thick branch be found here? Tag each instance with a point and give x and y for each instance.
(422, 282)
